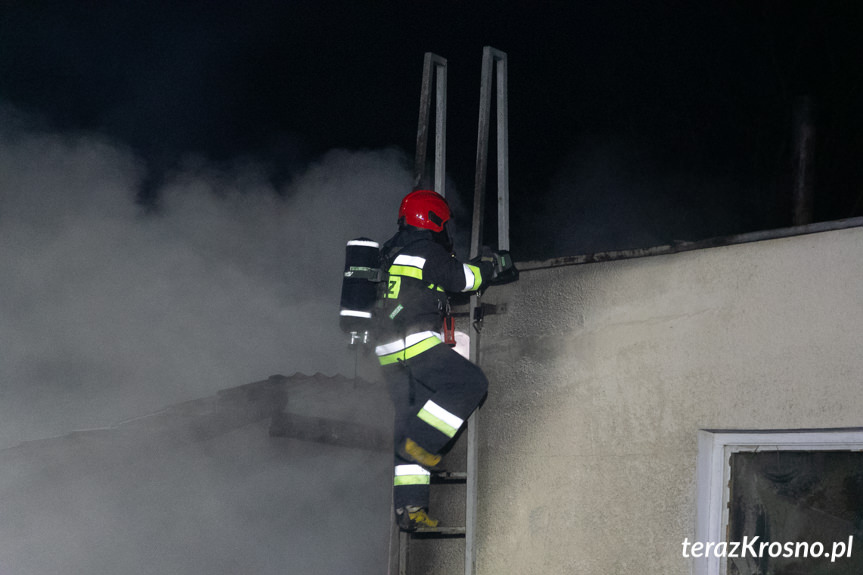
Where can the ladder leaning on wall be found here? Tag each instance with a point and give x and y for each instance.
(434, 68)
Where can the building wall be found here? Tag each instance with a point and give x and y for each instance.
(603, 373)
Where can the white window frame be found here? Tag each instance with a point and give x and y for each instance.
(713, 474)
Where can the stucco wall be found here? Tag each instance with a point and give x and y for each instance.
(603, 373)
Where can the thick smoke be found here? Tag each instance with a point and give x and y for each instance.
(109, 313)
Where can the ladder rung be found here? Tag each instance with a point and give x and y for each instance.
(449, 477)
(433, 532)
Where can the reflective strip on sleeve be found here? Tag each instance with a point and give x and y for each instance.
(365, 243)
(472, 277)
(403, 349)
(411, 475)
(441, 419)
(354, 313)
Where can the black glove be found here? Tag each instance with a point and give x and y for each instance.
(504, 269)
(498, 264)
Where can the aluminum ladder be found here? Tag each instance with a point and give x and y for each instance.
(494, 64)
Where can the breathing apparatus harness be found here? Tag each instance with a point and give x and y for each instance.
(369, 294)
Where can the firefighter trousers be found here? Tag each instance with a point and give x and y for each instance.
(433, 393)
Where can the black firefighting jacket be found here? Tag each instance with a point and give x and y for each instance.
(414, 300)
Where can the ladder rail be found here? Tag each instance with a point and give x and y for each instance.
(434, 68)
(492, 60)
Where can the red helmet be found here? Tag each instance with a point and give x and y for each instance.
(424, 209)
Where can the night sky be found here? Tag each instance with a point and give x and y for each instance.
(631, 124)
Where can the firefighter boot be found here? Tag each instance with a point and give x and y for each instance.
(411, 518)
(411, 451)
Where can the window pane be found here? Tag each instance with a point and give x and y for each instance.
(791, 497)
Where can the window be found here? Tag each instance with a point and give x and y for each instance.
(800, 492)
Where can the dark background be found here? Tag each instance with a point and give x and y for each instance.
(631, 124)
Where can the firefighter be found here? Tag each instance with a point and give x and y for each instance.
(434, 389)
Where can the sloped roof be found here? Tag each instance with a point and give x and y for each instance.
(315, 399)
(203, 487)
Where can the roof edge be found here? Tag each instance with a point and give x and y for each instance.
(678, 247)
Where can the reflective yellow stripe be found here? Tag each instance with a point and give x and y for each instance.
(451, 420)
(406, 271)
(405, 342)
(437, 423)
(411, 480)
(410, 351)
(411, 475)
